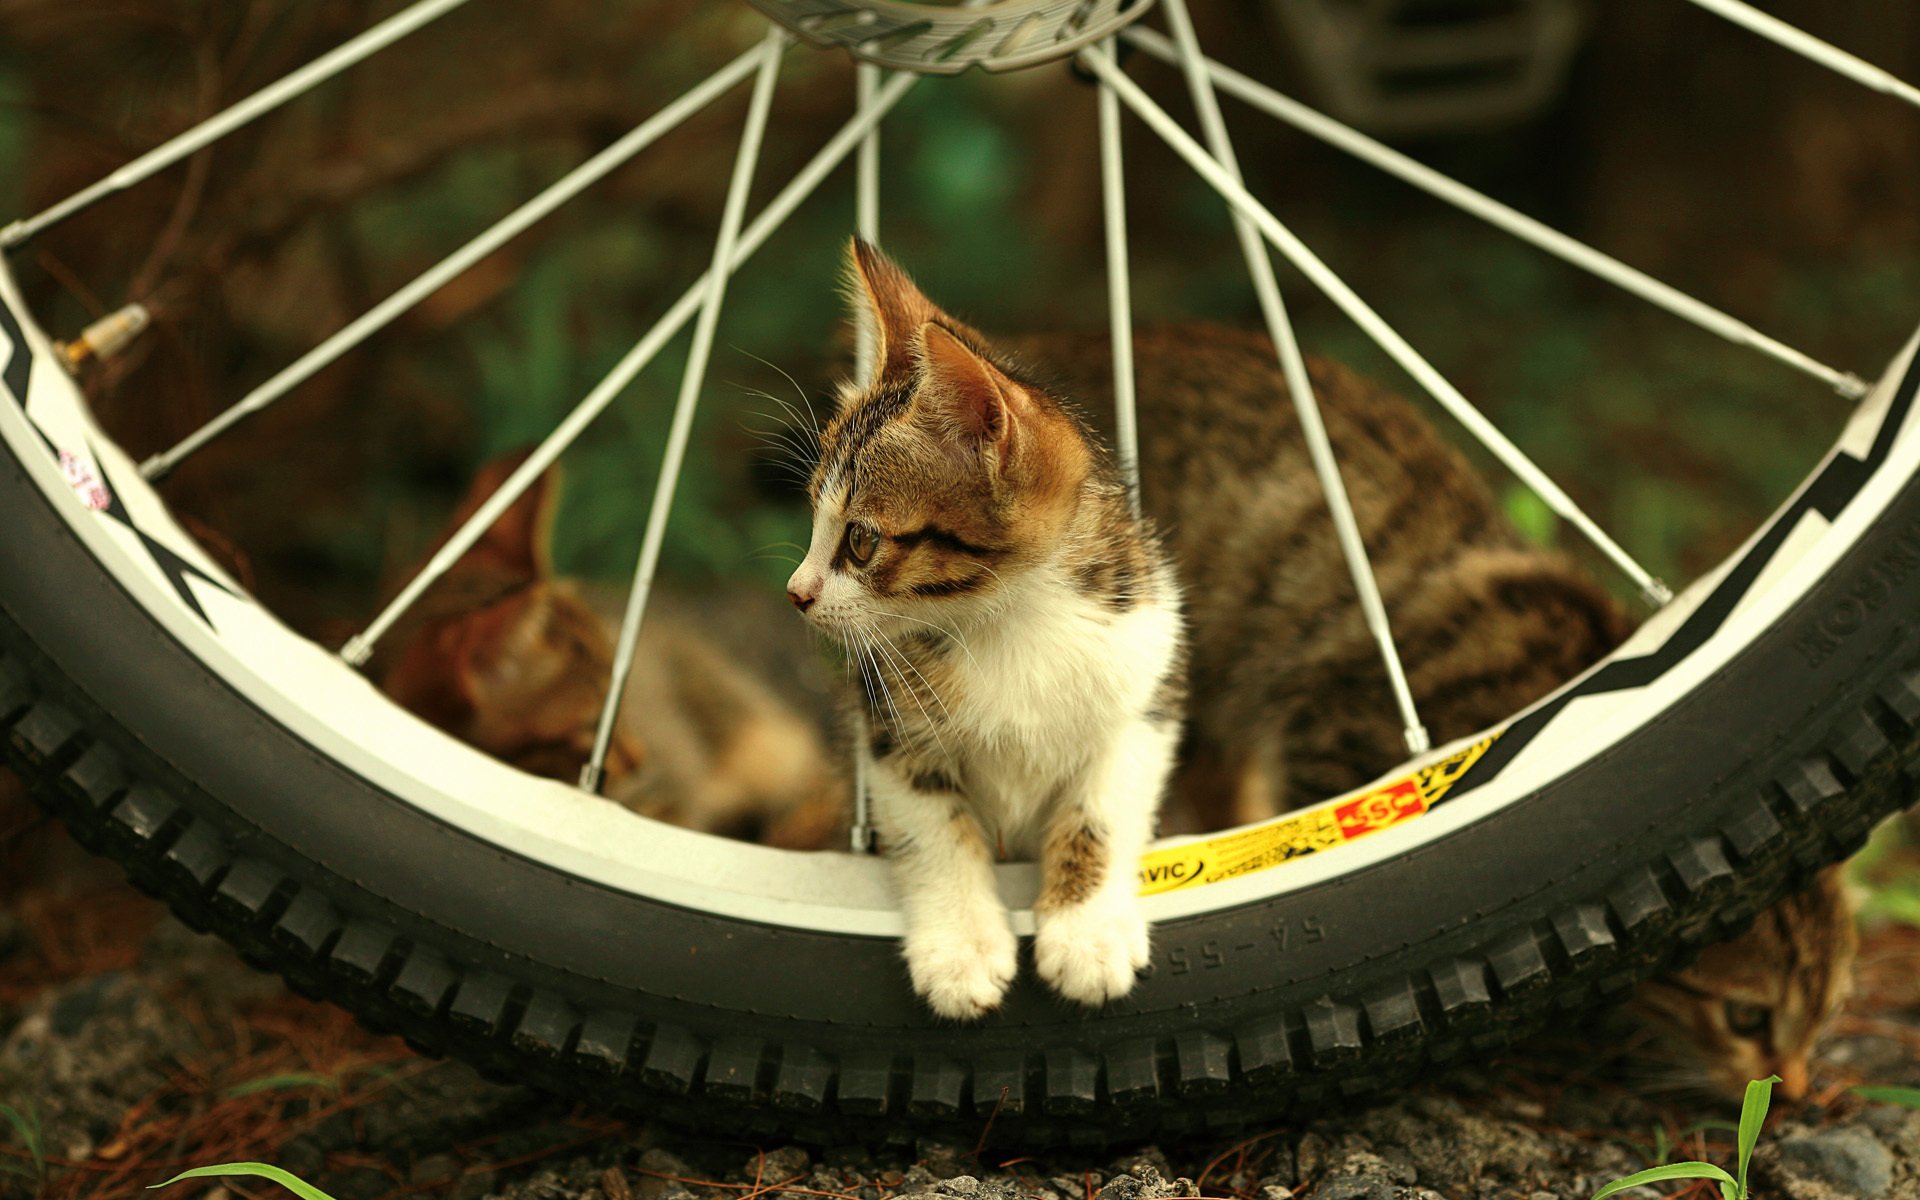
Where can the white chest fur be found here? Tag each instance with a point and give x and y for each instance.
(1036, 695)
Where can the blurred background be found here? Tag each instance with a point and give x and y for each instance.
(1655, 131)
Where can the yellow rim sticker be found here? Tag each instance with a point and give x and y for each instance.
(1244, 851)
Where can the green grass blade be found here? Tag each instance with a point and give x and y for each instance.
(1753, 1114)
(27, 1125)
(287, 1180)
(274, 1083)
(1679, 1170)
(1905, 1097)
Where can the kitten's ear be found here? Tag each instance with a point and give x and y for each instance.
(887, 310)
(520, 542)
(967, 397)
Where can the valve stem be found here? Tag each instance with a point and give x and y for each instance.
(104, 338)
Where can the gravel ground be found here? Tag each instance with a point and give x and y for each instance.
(142, 1048)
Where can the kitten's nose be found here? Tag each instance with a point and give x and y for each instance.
(803, 590)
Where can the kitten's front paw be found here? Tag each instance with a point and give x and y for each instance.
(1090, 952)
(964, 972)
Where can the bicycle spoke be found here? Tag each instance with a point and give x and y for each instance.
(219, 125)
(505, 230)
(1570, 250)
(692, 379)
(867, 222)
(1370, 322)
(1313, 429)
(1807, 46)
(359, 648)
(866, 203)
(1113, 189)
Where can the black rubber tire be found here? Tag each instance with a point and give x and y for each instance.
(1779, 764)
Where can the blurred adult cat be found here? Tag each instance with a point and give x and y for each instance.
(1756, 1005)
(514, 660)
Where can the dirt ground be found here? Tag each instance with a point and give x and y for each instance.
(141, 1049)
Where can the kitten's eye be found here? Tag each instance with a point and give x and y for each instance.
(861, 543)
(1747, 1020)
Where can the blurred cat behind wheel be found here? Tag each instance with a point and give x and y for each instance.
(514, 660)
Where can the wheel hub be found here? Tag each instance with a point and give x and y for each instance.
(945, 39)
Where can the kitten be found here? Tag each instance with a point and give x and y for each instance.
(1754, 1006)
(1018, 633)
(514, 661)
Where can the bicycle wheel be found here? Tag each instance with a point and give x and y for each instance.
(1752, 730)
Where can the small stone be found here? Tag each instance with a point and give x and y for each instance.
(613, 1181)
(918, 1179)
(943, 1159)
(660, 1172)
(1848, 1158)
(1354, 1187)
(1146, 1184)
(778, 1166)
(1312, 1156)
(1273, 1191)
(1147, 1158)
(1400, 1166)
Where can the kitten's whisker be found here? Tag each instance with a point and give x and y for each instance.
(803, 425)
(798, 390)
(940, 629)
(933, 727)
(866, 681)
(794, 419)
(880, 677)
(776, 438)
(900, 656)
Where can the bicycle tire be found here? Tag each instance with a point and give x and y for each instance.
(1675, 836)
